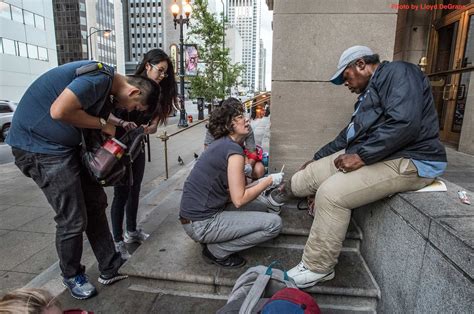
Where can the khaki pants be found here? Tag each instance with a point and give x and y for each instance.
(337, 193)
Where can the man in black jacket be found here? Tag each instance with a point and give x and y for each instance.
(390, 145)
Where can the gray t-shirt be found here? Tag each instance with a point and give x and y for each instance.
(249, 141)
(205, 191)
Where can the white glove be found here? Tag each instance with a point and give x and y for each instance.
(277, 179)
(248, 170)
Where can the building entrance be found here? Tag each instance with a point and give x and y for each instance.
(451, 54)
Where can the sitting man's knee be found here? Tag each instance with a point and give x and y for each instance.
(275, 224)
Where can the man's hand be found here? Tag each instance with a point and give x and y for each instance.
(348, 162)
(150, 129)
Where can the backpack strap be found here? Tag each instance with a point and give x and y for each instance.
(255, 294)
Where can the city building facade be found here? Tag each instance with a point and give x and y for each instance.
(89, 29)
(144, 30)
(27, 45)
(262, 65)
(245, 16)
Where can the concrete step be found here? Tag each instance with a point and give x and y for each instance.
(169, 262)
(298, 222)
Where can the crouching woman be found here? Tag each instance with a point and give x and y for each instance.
(217, 175)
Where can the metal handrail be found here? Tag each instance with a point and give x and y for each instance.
(466, 69)
(165, 137)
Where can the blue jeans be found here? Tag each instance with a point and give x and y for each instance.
(79, 203)
(126, 200)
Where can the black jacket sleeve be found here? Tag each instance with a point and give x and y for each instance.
(402, 103)
(336, 145)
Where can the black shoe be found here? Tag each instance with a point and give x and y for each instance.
(231, 261)
(110, 279)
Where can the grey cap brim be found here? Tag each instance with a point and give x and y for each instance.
(337, 78)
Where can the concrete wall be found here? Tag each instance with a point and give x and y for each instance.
(419, 247)
(308, 39)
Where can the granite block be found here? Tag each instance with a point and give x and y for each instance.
(16, 247)
(419, 220)
(43, 224)
(40, 261)
(440, 204)
(13, 280)
(441, 288)
(17, 216)
(180, 304)
(455, 238)
(394, 254)
(305, 58)
(335, 7)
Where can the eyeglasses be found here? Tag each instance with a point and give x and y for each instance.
(160, 72)
(239, 117)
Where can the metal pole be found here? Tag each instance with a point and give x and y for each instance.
(90, 43)
(182, 114)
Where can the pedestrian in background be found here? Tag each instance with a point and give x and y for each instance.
(157, 66)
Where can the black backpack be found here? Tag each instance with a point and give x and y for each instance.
(102, 165)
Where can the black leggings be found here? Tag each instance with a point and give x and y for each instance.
(126, 200)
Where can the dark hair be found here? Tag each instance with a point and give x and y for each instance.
(150, 91)
(220, 122)
(168, 84)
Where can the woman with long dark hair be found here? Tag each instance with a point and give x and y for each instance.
(157, 66)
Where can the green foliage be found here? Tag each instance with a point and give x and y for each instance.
(219, 74)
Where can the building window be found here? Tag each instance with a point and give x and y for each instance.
(17, 14)
(5, 10)
(22, 51)
(39, 21)
(8, 46)
(29, 18)
(42, 54)
(32, 51)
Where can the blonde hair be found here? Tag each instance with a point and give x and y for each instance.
(27, 301)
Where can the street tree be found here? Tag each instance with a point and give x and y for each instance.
(218, 75)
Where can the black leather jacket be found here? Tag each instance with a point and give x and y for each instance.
(396, 119)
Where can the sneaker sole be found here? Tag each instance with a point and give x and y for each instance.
(76, 297)
(212, 262)
(130, 241)
(270, 207)
(328, 277)
(111, 280)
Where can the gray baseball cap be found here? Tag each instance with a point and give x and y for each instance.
(349, 55)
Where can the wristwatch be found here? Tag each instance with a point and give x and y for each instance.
(102, 122)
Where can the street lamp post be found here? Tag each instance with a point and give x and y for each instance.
(89, 38)
(181, 20)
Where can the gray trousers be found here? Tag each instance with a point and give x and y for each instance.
(228, 232)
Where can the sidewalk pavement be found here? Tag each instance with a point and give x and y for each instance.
(27, 251)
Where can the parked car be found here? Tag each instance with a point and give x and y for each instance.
(7, 108)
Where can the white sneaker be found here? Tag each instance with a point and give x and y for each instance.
(266, 199)
(120, 247)
(137, 236)
(305, 278)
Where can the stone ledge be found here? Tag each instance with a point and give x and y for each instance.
(443, 221)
